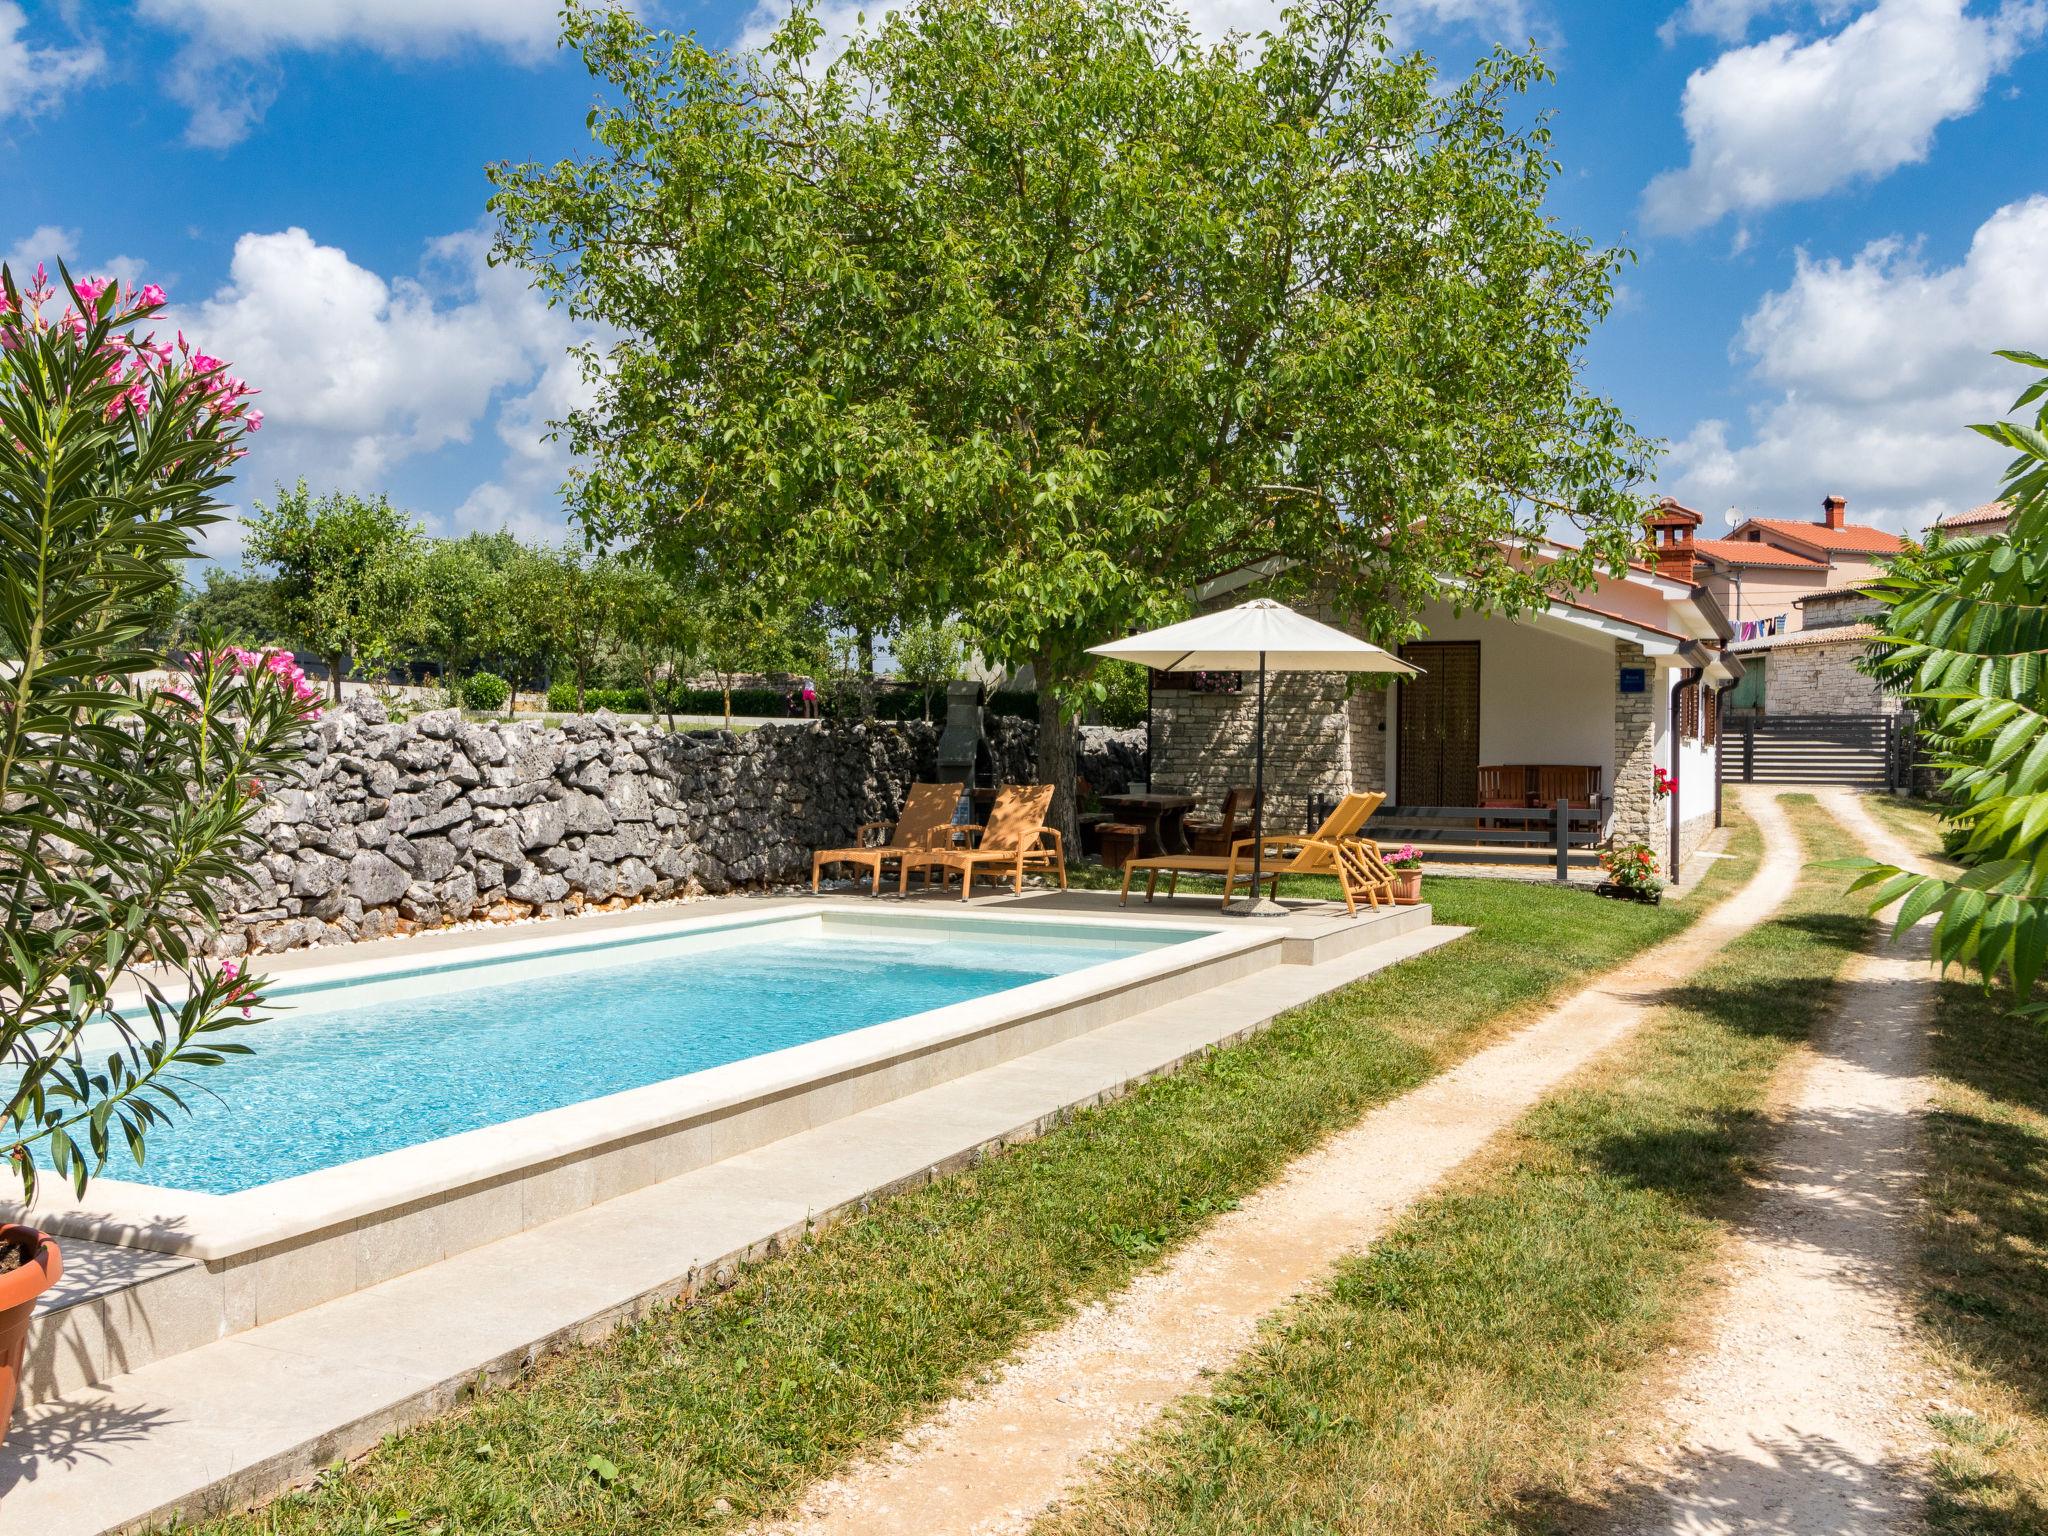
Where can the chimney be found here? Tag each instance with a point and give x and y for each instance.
(1671, 527)
(1833, 510)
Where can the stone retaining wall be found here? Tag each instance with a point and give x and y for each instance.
(390, 827)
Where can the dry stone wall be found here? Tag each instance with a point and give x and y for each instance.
(393, 826)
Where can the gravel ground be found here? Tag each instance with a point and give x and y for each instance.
(1803, 1413)
(992, 1461)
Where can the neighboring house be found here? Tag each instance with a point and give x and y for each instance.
(1814, 668)
(1762, 569)
(1991, 518)
(1615, 682)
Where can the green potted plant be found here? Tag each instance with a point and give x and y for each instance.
(127, 786)
(1406, 863)
(1631, 874)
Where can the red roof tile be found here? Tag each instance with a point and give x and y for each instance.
(1990, 512)
(1855, 538)
(1743, 552)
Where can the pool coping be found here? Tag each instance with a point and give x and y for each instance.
(302, 1208)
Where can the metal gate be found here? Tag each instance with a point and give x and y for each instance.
(1858, 751)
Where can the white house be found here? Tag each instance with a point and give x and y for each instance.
(1597, 690)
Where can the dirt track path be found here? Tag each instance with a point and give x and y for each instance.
(992, 1461)
(1801, 1414)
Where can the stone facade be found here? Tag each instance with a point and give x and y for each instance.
(390, 827)
(1323, 739)
(1638, 815)
(1821, 679)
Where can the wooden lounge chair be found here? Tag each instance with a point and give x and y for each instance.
(926, 822)
(1015, 842)
(1334, 849)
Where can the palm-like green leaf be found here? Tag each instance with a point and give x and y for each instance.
(1965, 637)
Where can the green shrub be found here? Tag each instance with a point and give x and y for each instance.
(1124, 700)
(485, 691)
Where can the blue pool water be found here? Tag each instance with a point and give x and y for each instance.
(336, 1077)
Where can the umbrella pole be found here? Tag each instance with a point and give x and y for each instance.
(1259, 788)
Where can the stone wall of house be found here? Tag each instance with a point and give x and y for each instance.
(1822, 680)
(1319, 741)
(388, 827)
(1638, 814)
(1690, 835)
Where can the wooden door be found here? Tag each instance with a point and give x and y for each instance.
(1438, 744)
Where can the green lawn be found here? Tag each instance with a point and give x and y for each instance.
(1985, 1253)
(710, 1413)
(1467, 1374)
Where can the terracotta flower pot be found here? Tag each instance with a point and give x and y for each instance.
(1407, 887)
(20, 1289)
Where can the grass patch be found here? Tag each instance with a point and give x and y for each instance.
(1465, 1374)
(1984, 1252)
(715, 1412)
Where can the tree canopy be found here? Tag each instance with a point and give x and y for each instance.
(344, 569)
(1042, 313)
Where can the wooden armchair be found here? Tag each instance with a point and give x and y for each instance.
(1215, 837)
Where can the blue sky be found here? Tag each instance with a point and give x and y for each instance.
(1832, 201)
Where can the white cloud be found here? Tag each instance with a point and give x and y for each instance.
(32, 77)
(48, 244)
(1874, 369)
(358, 373)
(251, 28)
(227, 76)
(1213, 19)
(1782, 120)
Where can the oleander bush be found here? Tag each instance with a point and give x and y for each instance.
(129, 778)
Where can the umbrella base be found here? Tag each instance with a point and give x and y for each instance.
(1264, 906)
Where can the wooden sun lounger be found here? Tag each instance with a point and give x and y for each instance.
(1333, 849)
(926, 822)
(1015, 841)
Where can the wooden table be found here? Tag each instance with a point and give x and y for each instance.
(1163, 817)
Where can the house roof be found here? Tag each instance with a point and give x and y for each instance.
(1850, 538)
(1990, 512)
(1839, 592)
(1743, 552)
(1826, 636)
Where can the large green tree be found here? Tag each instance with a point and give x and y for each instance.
(1042, 312)
(346, 569)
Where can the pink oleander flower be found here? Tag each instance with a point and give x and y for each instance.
(151, 297)
(253, 420)
(91, 288)
(181, 690)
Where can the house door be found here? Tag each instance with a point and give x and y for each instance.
(1438, 745)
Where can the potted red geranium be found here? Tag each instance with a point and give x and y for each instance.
(1631, 874)
(125, 798)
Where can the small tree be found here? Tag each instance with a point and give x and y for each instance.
(458, 586)
(1965, 632)
(659, 631)
(928, 654)
(234, 606)
(124, 811)
(346, 569)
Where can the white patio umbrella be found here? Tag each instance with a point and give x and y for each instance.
(1260, 636)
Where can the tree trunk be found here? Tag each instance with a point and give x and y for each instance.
(334, 678)
(1058, 743)
(867, 652)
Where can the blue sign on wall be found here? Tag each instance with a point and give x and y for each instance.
(1635, 680)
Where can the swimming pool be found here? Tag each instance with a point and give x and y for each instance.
(348, 1070)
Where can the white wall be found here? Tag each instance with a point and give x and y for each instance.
(1544, 696)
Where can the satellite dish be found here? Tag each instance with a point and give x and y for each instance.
(1734, 516)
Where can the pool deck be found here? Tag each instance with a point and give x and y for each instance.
(238, 1419)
